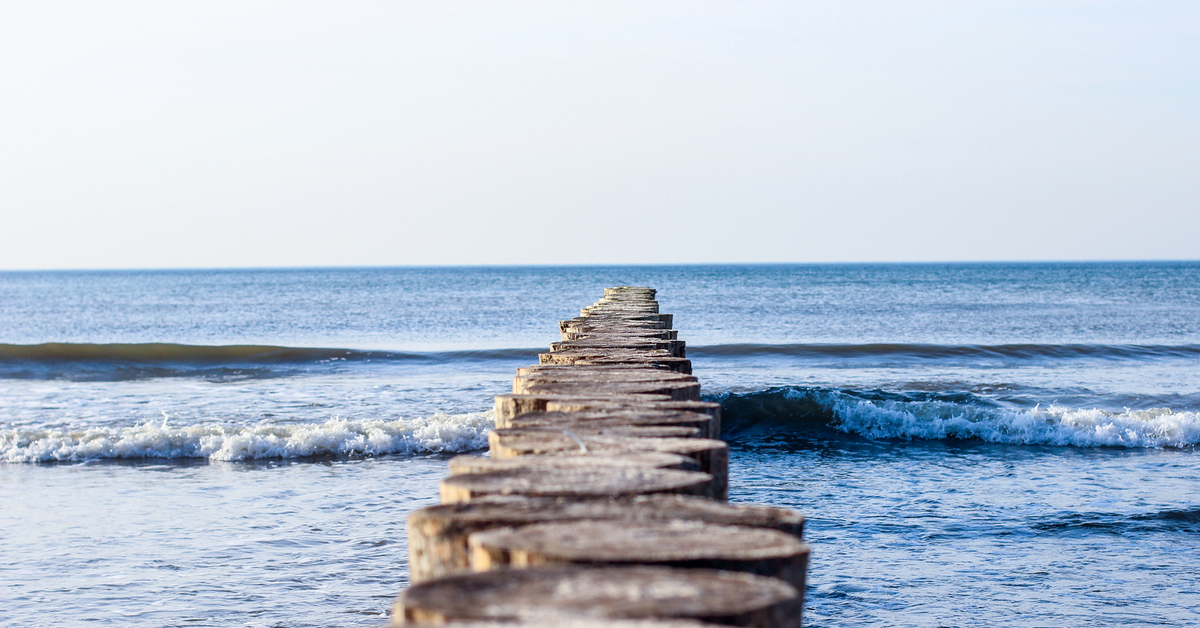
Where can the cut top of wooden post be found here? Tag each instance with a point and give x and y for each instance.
(438, 534)
(628, 592)
(707, 425)
(601, 375)
(675, 390)
(570, 622)
(643, 542)
(493, 512)
(651, 459)
(574, 483)
(511, 405)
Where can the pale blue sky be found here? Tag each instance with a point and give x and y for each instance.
(239, 133)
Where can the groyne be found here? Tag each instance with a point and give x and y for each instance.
(603, 502)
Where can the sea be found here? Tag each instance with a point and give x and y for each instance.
(986, 444)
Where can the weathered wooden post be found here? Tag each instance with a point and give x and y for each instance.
(602, 503)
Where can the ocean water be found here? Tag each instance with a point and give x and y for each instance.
(974, 445)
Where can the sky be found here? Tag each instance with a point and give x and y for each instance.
(215, 133)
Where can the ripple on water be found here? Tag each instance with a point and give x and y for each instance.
(233, 544)
(944, 533)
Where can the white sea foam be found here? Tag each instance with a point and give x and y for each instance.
(1053, 425)
(438, 433)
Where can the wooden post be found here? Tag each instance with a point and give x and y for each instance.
(734, 599)
(712, 455)
(705, 424)
(676, 543)
(603, 500)
(603, 481)
(437, 535)
(650, 459)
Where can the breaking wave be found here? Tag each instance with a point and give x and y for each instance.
(947, 416)
(336, 437)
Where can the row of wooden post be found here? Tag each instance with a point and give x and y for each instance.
(603, 502)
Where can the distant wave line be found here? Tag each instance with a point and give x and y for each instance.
(159, 352)
(936, 351)
(172, 353)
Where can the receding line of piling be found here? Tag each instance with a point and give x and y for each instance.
(603, 500)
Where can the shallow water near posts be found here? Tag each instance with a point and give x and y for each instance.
(977, 444)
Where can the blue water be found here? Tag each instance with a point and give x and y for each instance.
(977, 444)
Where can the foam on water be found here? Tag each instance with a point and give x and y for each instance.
(340, 437)
(964, 416)
(1054, 425)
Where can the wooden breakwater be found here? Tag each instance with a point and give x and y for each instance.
(603, 502)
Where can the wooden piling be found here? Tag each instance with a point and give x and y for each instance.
(711, 455)
(511, 405)
(601, 481)
(722, 597)
(651, 459)
(705, 424)
(571, 622)
(674, 390)
(437, 535)
(676, 543)
(603, 498)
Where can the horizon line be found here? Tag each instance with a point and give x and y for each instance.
(595, 265)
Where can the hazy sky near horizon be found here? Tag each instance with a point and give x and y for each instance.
(245, 133)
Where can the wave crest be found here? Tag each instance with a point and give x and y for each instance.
(961, 416)
(136, 361)
(336, 437)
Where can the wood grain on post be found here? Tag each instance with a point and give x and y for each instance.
(574, 483)
(509, 406)
(687, 544)
(625, 305)
(437, 535)
(616, 358)
(674, 348)
(707, 426)
(600, 375)
(710, 408)
(611, 403)
(643, 291)
(628, 307)
(576, 433)
(572, 371)
(623, 315)
(676, 391)
(626, 377)
(609, 306)
(630, 322)
(567, 622)
(712, 455)
(721, 597)
(648, 459)
(612, 315)
(612, 331)
(561, 356)
(614, 340)
(550, 370)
